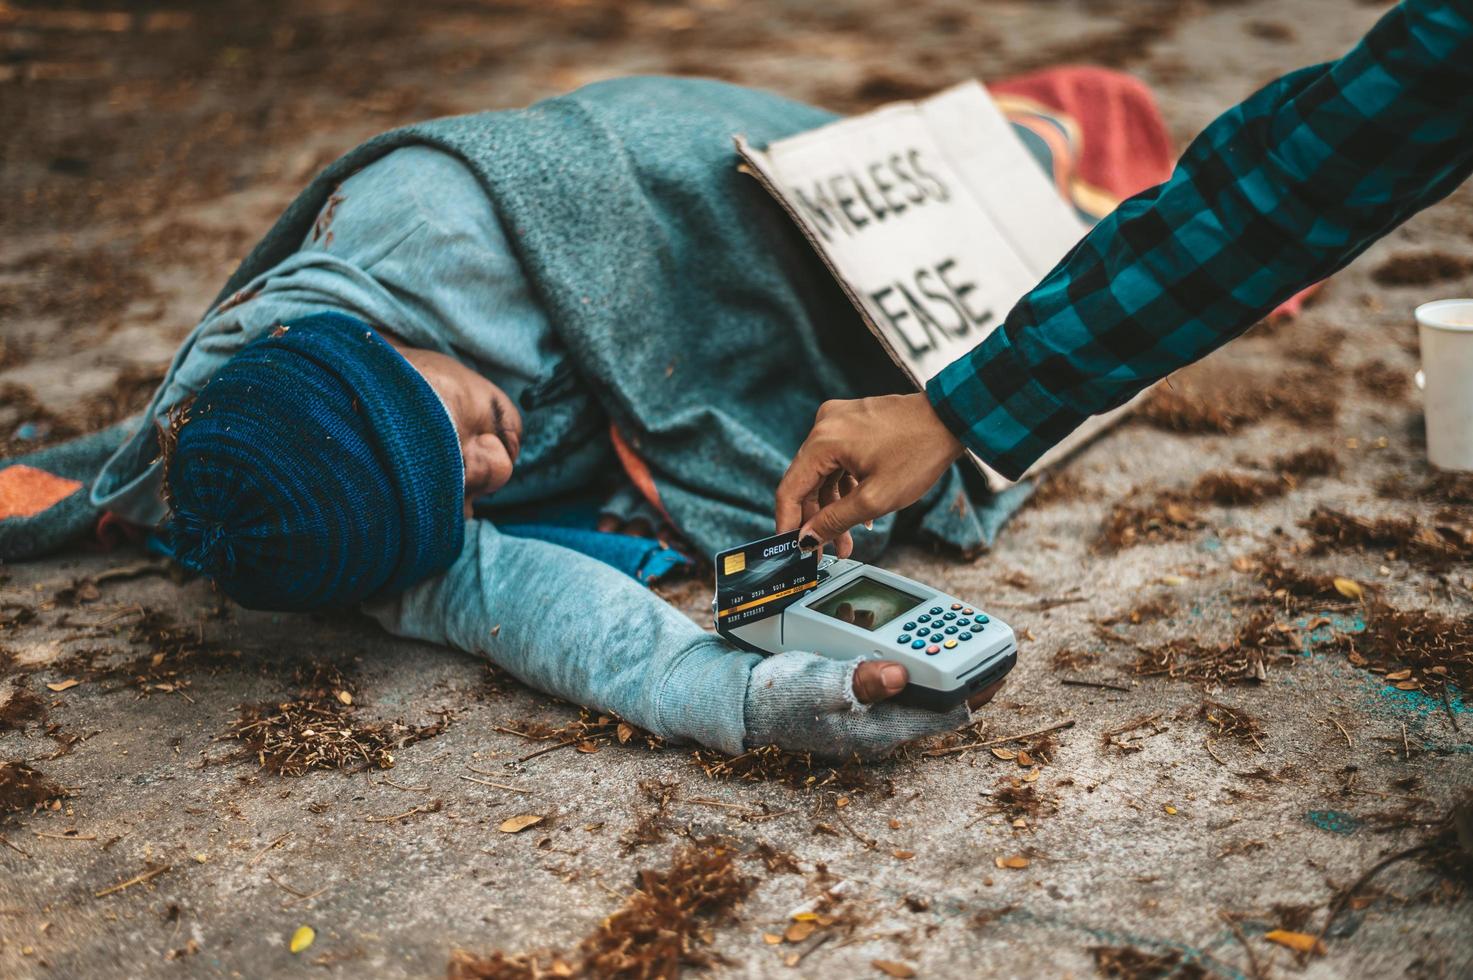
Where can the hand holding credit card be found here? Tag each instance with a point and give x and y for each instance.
(762, 578)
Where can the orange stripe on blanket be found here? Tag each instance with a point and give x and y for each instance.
(639, 473)
(26, 491)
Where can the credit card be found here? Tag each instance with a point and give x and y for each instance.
(762, 579)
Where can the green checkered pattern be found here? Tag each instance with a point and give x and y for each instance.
(1279, 192)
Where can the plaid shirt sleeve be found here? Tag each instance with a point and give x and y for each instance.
(1276, 194)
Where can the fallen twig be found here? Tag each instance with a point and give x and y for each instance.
(513, 731)
(1255, 971)
(138, 879)
(1375, 869)
(701, 801)
(869, 843)
(952, 750)
(123, 614)
(1079, 682)
(551, 748)
(6, 841)
(262, 852)
(1040, 605)
(431, 807)
(487, 782)
(288, 888)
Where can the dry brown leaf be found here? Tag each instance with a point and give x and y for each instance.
(625, 732)
(1017, 862)
(1349, 588)
(1300, 942)
(1024, 759)
(1399, 675)
(587, 747)
(799, 931)
(65, 685)
(771, 938)
(903, 855)
(1006, 754)
(519, 823)
(894, 968)
(345, 697)
(1408, 686)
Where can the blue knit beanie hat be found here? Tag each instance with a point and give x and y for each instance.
(316, 469)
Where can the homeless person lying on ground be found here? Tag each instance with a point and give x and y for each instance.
(457, 334)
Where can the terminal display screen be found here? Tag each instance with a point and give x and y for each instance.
(866, 603)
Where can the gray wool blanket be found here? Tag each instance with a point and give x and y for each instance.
(704, 323)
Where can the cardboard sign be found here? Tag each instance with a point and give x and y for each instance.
(935, 220)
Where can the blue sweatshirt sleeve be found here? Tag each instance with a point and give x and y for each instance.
(577, 628)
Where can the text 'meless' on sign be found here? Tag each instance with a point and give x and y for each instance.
(934, 218)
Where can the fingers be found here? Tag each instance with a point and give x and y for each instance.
(804, 476)
(986, 694)
(876, 680)
(608, 524)
(831, 493)
(840, 516)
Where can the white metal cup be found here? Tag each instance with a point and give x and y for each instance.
(1445, 332)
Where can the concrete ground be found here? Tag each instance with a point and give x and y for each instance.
(143, 152)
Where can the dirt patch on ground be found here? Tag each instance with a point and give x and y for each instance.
(663, 928)
(22, 708)
(1413, 650)
(1421, 269)
(1224, 401)
(1437, 544)
(1130, 963)
(1237, 489)
(1226, 721)
(320, 729)
(1315, 461)
(1169, 516)
(1172, 515)
(23, 789)
(1244, 659)
(1291, 588)
(1380, 380)
(28, 425)
(1057, 488)
(1442, 487)
(770, 764)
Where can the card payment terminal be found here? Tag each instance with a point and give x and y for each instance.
(849, 610)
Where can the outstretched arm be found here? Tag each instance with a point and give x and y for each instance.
(576, 628)
(1276, 194)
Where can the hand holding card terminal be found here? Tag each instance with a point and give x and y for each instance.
(846, 610)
